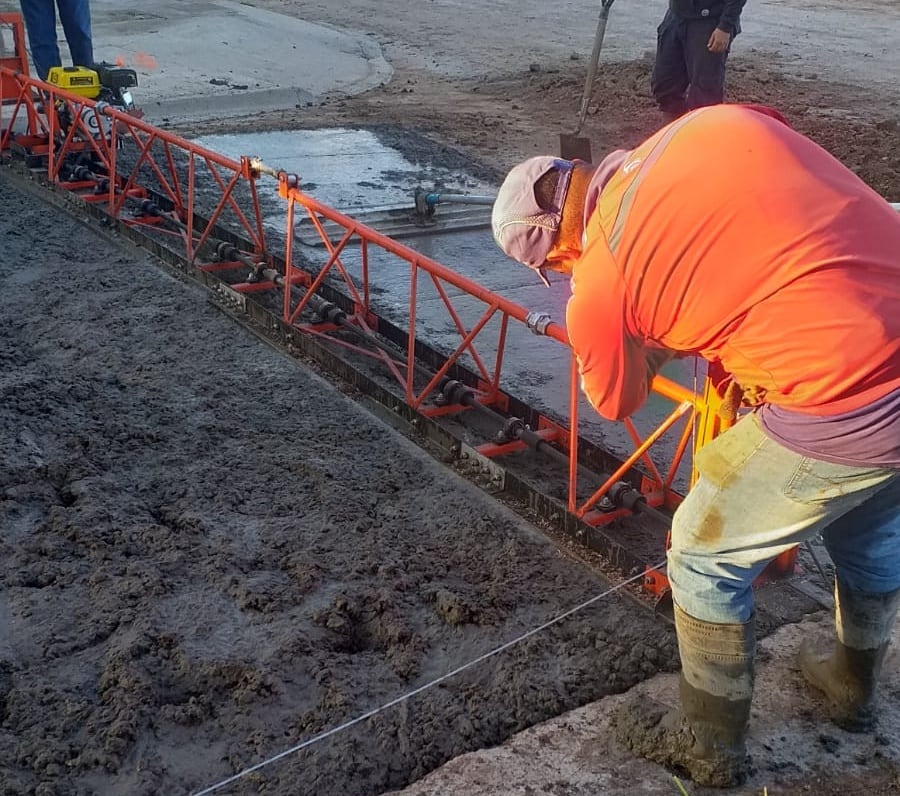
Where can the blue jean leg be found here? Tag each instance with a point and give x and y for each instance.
(756, 499)
(864, 544)
(75, 16)
(40, 22)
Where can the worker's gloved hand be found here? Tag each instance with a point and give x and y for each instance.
(753, 395)
(731, 401)
(733, 395)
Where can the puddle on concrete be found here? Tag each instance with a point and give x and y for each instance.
(355, 170)
(347, 169)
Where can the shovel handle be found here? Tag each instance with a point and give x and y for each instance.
(605, 5)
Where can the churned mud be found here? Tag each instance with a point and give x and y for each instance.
(209, 555)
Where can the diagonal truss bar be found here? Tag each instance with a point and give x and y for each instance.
(646, 458)
(170, 186)
(680, 410)
(448, 304)
(680, 449)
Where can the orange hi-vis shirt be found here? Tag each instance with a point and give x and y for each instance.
(731, 236)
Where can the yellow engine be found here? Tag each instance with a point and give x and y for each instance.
(77, 79)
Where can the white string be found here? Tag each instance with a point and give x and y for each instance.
(334, 730)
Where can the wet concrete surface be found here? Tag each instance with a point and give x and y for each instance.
(202, 60)
(174, 675)
(209, 555)
(352, 169)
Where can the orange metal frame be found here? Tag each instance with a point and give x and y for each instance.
(178, 166)
(12, 29)
(18, 61)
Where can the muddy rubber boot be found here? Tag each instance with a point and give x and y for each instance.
(705, 738)
(848, 676)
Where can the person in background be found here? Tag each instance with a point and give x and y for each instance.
(692, 45)
(781, 269)
(40, 22)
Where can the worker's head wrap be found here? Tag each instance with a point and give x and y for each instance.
(522, 228)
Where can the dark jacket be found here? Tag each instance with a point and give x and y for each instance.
(727, 12)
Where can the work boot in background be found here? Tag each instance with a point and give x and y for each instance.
(848, 676)
(706, 737)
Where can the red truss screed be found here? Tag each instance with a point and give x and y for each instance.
(141, 176)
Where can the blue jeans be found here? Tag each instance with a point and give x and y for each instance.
(756, 499)
(40, 22)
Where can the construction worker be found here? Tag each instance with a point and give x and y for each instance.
(40, 22)
(730, 236)
(692, 46)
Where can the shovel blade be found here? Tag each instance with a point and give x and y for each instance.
(574, 147)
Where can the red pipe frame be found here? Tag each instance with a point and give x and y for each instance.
(228, 174)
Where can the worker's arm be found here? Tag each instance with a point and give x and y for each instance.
(616, 367)
(731, 15)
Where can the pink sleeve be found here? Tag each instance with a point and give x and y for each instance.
(616, 368)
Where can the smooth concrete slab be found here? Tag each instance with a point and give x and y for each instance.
(348, 169)
(214, 58)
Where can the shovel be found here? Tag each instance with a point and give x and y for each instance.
(571, 145)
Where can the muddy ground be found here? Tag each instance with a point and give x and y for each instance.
(201, 567)
(208, 554)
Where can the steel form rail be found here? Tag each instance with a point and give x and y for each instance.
(96, 133)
